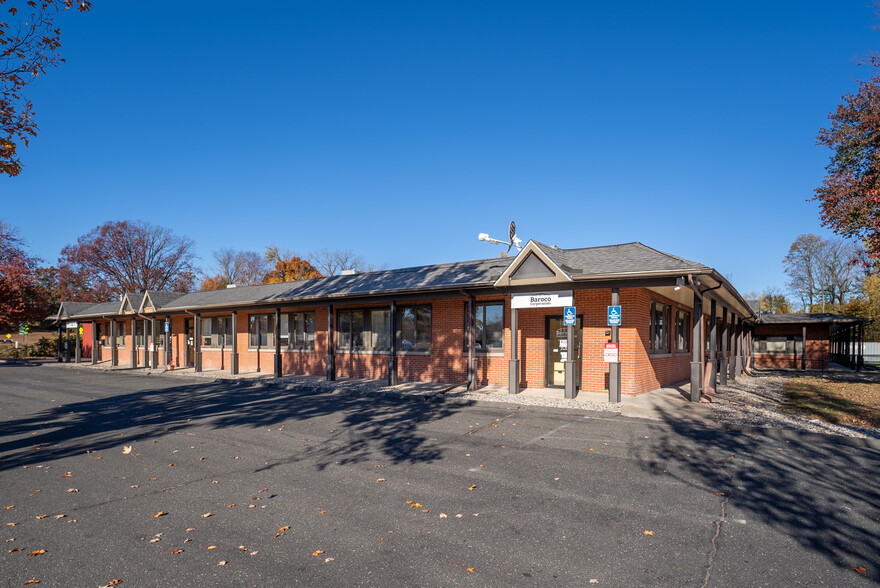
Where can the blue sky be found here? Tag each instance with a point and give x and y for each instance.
(401, 130)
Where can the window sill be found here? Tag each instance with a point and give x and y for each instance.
(659, 355)
(485, 354)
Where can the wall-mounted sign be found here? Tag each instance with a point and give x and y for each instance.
(71, 325)
(613, 316)
(611, 353)
(542, 300)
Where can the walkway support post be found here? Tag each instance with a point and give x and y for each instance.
(722, 370)
(614, 367)
(77, 354)
(331, 347)
(392, 338)
(233, 361)
(570, 364)
(167, 334)
(66, 344)
(134, 352)
(472, 342)
(804, 348)
(513, 367)
(696, 338)
(739, 347)
(732, 367)
(197, 339)
(114, 352)
(60, 344)
(94, 343)
(278, 342)
(154, 355)
(713, 343)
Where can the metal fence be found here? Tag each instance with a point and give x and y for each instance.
(872, 352)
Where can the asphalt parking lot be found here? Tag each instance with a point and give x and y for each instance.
(167, 482)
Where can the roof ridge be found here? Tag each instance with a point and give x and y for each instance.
(681, 259)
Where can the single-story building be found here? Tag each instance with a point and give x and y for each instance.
(809, 341)
(622, 319)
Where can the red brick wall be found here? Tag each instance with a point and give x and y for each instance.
(818, 347)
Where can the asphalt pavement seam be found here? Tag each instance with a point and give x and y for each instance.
(714, 542)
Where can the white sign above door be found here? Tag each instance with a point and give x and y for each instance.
(542, 300)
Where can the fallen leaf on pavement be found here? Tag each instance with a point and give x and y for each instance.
(67, 475)
(161, 513)
(317, 552)
(471, 570)
(14, 549)
(41, 516)
(31, 582)
(190, 529)
(72, 490)
(277, 535)
(442, 515)
(328, 559)
(230, 505)
(126, 449)
(242, 548)
(37, 552)
(472, 487)
(177, 552)
(253, 553)
(61, 516)
(206, 515)
(458, 516)
(861, 570)
(10, 506)
(210, 547)
(321, 511)
(380, 480)
(222, 563)
(284, 528)
(649, 532)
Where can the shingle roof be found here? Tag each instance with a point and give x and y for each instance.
(429, 277)
(625, 258)
(134, 299)
(161, 298)
(69, 309)
(810, 318)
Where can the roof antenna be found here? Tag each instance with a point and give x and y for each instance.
(513, 242)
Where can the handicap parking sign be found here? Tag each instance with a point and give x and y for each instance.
(569, 317)
(613, 316)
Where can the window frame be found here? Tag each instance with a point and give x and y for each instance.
(482, 348)
(664, 349)
(686, 331)
(348, 319)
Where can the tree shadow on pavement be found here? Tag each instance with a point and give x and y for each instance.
(820, 494)
(366, 424)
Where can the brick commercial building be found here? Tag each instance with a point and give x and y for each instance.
(640, 319)
(809, 341)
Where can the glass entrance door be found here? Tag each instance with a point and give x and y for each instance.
(557, 351)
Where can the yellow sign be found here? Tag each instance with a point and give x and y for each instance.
(80, 330)
(8, 336)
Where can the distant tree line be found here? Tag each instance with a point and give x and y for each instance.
(134, 256)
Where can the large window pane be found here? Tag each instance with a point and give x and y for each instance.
(284, 330)
(423, 329)
(357, 330)
(494, 328)
(343, 330)
(380, 330)
(253, 338)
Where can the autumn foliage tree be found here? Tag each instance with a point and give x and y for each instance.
(287, 267)
(22, 300)
(244, 268)
(130, 256)
(29, 46)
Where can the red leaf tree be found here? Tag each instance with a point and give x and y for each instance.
(129, 256)
(29, 46)
(22, 299)
(849, 196)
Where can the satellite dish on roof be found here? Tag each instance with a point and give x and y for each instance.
(513, 241)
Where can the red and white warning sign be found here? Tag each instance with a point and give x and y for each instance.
(611, 355)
